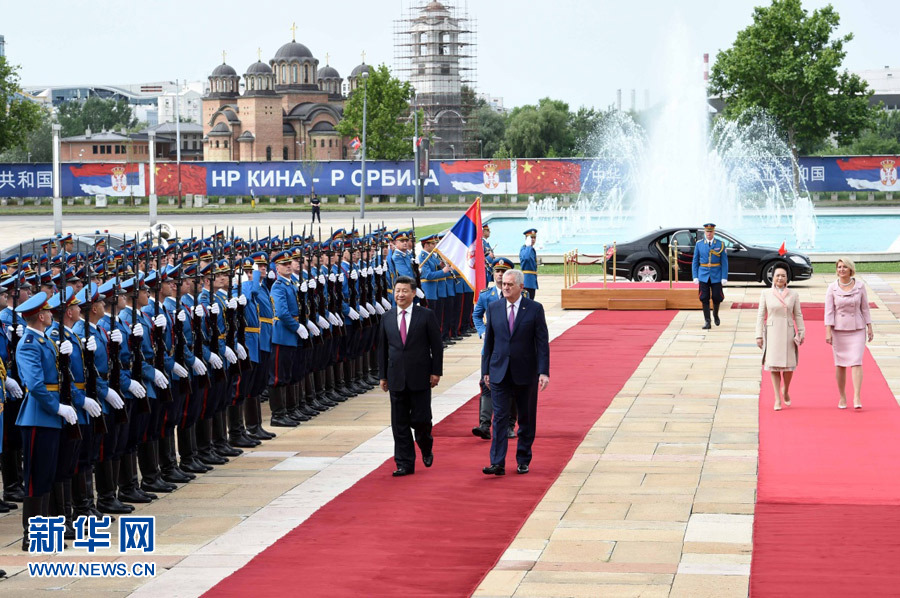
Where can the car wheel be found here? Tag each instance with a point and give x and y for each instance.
(769, 271)
(646, 271)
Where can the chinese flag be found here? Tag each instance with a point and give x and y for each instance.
(549, 176)
(782, 250)
(193, 179)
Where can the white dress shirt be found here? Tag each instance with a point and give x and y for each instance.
(400, 316)
(514, 306)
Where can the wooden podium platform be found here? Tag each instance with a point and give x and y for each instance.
(631, 296)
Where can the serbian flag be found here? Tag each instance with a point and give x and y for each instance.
(549, 176)
(355, 144)
(115, 180)
(782, 250)
(193, 179)
(463, 250)
(876, 173)
(479, 176)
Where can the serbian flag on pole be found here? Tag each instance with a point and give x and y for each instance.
(463, 250)
(355, 144)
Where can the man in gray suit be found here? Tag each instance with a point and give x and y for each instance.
(410, 363)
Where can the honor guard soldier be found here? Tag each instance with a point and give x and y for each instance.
(528, 262)
(488, 251)
(710, 270)
(42, 416)
(260, 302)
(432, 277)
(488, 296)
(10, 397)
(286, 336)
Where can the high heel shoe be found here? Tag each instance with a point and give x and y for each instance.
(777, 406)
(787, 400)
(842, 404)
(857, 405)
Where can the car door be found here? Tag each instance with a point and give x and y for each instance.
(686, 240)
(741, 266)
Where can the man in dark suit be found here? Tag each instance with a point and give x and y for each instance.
(515, 363)
(410, 362)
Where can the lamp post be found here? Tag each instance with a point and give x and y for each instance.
(151, 147)
(453, 149)
(481, 148)
(57, 198)
(362, 183)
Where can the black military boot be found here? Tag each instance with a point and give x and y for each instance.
(151, 478)
(187, 452)
(82, 503)
(259, 418)
(299, 411)
(220, 437)
(706, 323)
(317, 390)
(253, 417)
(330, 390)
(31, 507)
(168, 464)
(353, 383)
(362, 374)
(205, 450)
(716, 314)
(106, 490)
(304, 403)
(13, 489)
(370, 377)
(237, 435)
(58, 507)
(279, 412)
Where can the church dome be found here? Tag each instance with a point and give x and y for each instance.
(292, 50)
(223, 70)
(259, 68)
(329, 72)
(356, 72)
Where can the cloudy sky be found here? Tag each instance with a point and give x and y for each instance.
(580, 51)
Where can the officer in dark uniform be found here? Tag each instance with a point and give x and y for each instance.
(710, 270)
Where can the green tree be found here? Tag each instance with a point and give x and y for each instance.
(37, 145)
(540, 131)
(96, 114)
(491, 126)
(584, 123)
(883, 137)
(389, 128)
(18, 116)
(788, 64)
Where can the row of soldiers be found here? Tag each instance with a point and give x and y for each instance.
(142, 368)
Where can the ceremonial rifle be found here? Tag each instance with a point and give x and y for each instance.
(14, 342)
(415, 263)
(212, 320)
(90, 369)
(134, 342)
(159, 341)
(241, 311)
(63, 362)
(230, 314)
(197, 323)
(114, 349)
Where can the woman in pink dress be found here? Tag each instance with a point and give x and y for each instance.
(847, 326)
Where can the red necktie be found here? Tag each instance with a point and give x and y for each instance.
(403, 326)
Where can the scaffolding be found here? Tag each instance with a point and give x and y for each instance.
(435, 50)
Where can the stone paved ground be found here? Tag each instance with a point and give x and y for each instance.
(657, 501)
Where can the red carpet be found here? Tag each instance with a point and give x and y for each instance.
(633, 285)
(439, 532)
(828, 502)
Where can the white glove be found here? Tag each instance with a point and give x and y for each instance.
(378, 270)
(370, 309)
(353, 315)
(270, 275)
(242, 300)
(137, 390)
(724, 281)
(323, 323)
(302, 333)
(312, 329)
(92, 407)
(160, 380)
(332, 278)
(529, 241)
(215, 361)
(91, 344)
(303, 287)
(371, 270)
(321, 279)
(312, 283)
(419, 293)
(13, 388)
(199, 368)
(68, 414)
(214, 308)
(364, 272)
(199, 310)
(232, 303)
(241, 351)
(160, 321)
(696, 281)
(378, 309)
(230, 357)
(65, 348)
(353, 275)
(179, 370)
(113, 399)
(116, 336)
(385, 304)
(20, 330)
(363, 312)
(137, 330)
(341, 277)
(181, 317)
(333, 319)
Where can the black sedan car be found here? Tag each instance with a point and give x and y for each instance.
(647, 258)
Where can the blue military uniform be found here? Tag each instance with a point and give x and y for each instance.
(710, 270)
(528, 263)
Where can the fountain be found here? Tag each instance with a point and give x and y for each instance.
(681, 171)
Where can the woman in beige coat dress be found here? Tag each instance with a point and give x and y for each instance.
(779, 333)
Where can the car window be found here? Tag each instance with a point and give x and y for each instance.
(729, 243)
(685, 239)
